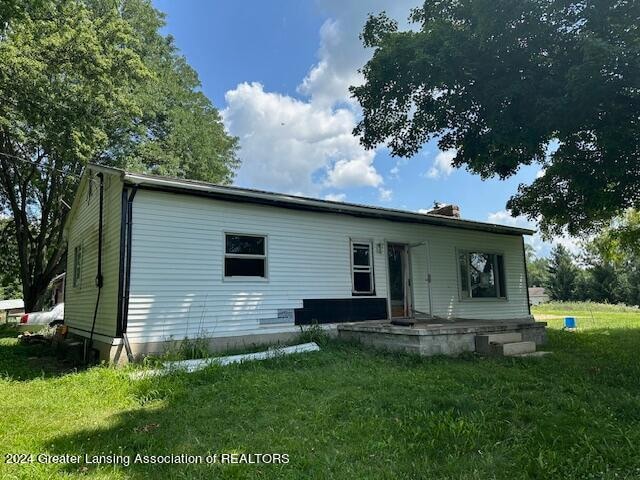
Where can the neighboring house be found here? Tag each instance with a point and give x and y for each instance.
(11, 310)
(57, 289)
(537, 295)
(181, 258)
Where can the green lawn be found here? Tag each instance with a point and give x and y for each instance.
(347, 412)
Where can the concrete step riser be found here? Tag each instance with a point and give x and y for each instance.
(515, 348)
(484, 342)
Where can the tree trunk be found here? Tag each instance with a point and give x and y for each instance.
(30, 295)
(35, 283)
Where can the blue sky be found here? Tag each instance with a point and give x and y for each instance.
(279, 73)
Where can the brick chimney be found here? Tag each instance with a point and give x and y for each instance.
(446, 210)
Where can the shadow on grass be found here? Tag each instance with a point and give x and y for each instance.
(12, 330)
(27, 362)
(347, 411)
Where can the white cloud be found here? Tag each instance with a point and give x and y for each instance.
(424, 211)
(540, 173)
(442, 165)
(573, 244)
(385, 195)
(336, 197)
(289, 144)
(341, 53)
(541, 246)
(394, 172)
(306, 144)
(504, 217)
(355, 172)
(328, 80)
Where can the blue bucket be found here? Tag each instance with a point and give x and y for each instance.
(569, 322)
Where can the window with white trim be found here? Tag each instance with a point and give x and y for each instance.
(245, 255)
(362, 268)
(481, 275)
(77, 266)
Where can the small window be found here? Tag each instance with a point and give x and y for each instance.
(77, 265)
(362, 268)
(481, 275)
(245, 255)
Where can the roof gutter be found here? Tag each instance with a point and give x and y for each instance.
(302, 203)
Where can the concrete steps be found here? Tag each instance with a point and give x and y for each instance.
(504, 344)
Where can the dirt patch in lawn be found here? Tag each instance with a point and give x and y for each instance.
(547, 316)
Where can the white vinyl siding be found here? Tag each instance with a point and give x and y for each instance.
(177, 281)
(82, 232)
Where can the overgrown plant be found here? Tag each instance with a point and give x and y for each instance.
(185, 349)
(314, 333)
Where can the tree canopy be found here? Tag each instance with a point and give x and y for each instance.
(92, 81)
(500, 81)
(10, 286)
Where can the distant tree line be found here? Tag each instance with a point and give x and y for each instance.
(607, 271)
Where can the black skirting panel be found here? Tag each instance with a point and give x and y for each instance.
(336, 310)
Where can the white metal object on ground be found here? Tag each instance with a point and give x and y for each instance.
(200, 363)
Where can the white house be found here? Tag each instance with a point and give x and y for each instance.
(153, 260)
(538, 295)
(11, 309)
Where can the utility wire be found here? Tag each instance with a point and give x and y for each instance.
(39, 165)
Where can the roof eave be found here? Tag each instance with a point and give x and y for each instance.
(289, 201)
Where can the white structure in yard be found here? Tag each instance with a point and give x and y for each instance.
(154, 259)
(11, 309)
(538, 295)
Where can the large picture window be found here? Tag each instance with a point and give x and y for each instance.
(245, 255)
(362, 268)
(481, 275)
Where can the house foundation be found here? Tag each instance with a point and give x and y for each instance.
(428, 338)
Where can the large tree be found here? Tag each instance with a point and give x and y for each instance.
(562, 275)
(500, 81)
(613, 257)
(92, 81)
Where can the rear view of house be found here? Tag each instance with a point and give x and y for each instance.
(154, 260)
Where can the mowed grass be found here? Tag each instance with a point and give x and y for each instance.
(347, 411)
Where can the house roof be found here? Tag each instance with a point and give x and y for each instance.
(230, 193)
(11, 304)
(536, 291)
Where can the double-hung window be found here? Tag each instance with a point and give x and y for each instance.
(481, 275)
(362, 268)
(245, 255)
